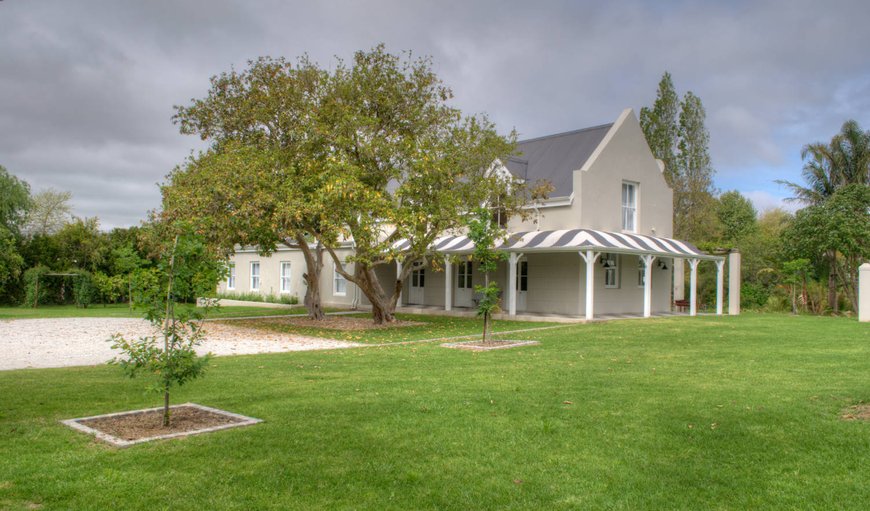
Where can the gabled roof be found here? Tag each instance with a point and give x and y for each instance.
(555, 157)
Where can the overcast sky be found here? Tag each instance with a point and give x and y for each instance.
(87, 87)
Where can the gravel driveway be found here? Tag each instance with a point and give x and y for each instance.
(67, 342)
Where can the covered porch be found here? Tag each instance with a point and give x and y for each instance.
(571, 274)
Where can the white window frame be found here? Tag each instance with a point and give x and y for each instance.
(284, 277)
(255, 277)
(336, 279)
(231, 276)
(523, 276)
(611, 267)
(641, 272)
(629, 210)
(464, 275)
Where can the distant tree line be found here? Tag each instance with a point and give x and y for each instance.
(803, 262)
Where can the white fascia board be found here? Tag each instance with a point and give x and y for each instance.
(552, 202)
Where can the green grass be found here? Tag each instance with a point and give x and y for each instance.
(123, 311)
(431, 327)
(679, 413)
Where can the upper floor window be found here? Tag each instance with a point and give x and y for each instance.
(255, 276)
(231, 276)
(629, 207)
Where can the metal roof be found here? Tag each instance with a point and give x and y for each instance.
(556, 157)
(574, 240)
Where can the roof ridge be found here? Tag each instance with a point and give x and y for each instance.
(564, 133)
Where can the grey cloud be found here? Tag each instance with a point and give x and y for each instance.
(87, 88)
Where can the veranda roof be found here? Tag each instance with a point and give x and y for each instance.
(575, 240)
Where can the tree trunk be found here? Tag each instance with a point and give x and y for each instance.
(314, 264)
(166, 408)
(833, 303)
(383, 308)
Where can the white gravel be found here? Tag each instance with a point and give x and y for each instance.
(67, 342)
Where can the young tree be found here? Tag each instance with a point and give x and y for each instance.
(187, 267)
(49, 213)
(661, 127)
(15, 201)
(484, 233)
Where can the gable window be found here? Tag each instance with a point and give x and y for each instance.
(641, 272)
(285, 277)
(611, 270)
(629, 206)
(231, 276)
(255, 276)
(339, 283)
(464, 275)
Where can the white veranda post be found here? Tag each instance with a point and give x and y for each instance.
(589, 257)
(720, 285)
(448, 284)
(647, 284)
(512, 283)
(693, 287)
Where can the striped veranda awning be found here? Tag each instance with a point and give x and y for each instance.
(574, 240)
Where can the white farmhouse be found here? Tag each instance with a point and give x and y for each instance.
(600, 244)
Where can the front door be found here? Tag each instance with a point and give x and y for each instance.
(522, 284)
(418, 283)
(464, 288)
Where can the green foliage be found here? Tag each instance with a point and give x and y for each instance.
(110, 288)
(737, 218)
(677, 135)
(14, 201)
(753, 296)
(83, 289)
(81, 244)
(484, 233)
(36, 292)
(185, 268)
(259, 297)
(50, 211)
(11, 263)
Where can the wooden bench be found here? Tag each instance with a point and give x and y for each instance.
(681, 305)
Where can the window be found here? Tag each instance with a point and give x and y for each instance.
(418, 278)
(285, 277)
(464, 275)
(629, 207)
(611, 270)
(339, 284)
(231, 276)
(523, 276)
(641, 272)
(255, 276)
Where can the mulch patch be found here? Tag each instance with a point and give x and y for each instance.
(344, 323)
(136, 426)
(857, 413)
(128, 428)
(487, 346)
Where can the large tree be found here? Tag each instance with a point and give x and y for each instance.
(49, 212)
(403, 165)
(661, 126)
(737, 218)
(676, 132)
(829, 167)
(256, 183)
(14, 201)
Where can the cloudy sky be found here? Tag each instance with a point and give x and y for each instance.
(87, 87)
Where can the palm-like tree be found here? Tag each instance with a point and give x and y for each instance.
(829, 167)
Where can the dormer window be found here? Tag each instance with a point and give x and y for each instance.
(629, 206)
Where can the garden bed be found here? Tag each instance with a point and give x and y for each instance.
(345, 323)
(124, 429)
(477, 345)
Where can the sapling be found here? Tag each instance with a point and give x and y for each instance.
(170, 355)
(484, 233)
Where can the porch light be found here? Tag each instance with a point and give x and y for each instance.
(662, 265)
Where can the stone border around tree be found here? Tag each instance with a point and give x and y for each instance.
(242, 420)
(476, 346)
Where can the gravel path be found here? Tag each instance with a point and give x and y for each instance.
(67, 342)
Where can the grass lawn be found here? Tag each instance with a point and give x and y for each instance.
(123, 311)
(678, 413)
(432, 327)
